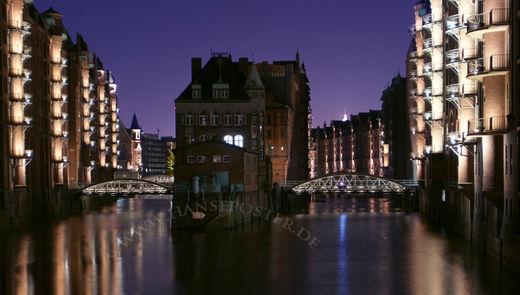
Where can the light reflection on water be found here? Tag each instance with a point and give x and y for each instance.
(367, 246)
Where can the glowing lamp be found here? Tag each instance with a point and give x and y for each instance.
(29, 153)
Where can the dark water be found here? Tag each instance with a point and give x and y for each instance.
(366, 246)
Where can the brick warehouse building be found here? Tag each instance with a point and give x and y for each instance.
(463, 89)
(351, 146)
(253, 107)
(59, 105)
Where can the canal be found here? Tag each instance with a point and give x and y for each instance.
(362, 246)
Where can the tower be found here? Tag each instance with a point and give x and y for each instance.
(136, 131)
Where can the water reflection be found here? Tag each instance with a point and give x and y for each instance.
(367, 246)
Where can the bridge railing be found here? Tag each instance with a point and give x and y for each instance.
(409, 182)
(290, 183)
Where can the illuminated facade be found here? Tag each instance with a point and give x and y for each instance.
(59, 106)
(352, 146)
(462, 78)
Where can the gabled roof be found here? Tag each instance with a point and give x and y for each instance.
(135, 124)
(211, 73)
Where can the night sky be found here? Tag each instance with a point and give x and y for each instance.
(351, 49)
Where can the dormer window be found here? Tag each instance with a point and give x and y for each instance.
(195, 91)
(220, 90)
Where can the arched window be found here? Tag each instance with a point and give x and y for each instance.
(188, 118)
(228, 139)
(227, 119)
(239, 119)
(203, 137)
(214, 119)
(203, 118)
(239, 140)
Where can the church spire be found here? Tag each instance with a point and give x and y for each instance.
(135, 124)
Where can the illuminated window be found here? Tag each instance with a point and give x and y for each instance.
(239, 140)
(188, 118)
(227, 119)
(214, 119)
(203, 118)
(239, 119)
(228, 139)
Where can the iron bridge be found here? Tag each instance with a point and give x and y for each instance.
(350, 183)
(126, 187)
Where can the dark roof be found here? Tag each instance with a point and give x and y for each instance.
(51, 11)
(135, 124)
(231, 74)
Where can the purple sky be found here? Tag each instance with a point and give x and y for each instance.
(351, 49)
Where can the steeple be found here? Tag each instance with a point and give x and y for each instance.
(135, 124)
(253, 80)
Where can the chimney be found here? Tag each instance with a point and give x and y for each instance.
(243, 63)
(196, 65)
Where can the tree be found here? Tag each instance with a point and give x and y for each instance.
(170, 163)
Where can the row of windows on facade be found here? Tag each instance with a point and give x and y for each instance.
(201, 159)
(217, 93)
(212, 119)
(237, 140)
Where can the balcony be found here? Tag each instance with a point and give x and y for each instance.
(23, 28)
(413, 111)
(412, 30)
(489, 125)
(26, 101)
(495, 20)
(453, 90)
(429, 94)
(471, 53)
(427, 43)
(427, 21)
(27, 50)
(26, 155)
(429, 149)
(430, 116)
(497, 64)
(25, 121)
(454, 25)
(455, 2)
(63, 134)
(415, 131)
(453, 56)
(434, 120)
(62, 117)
